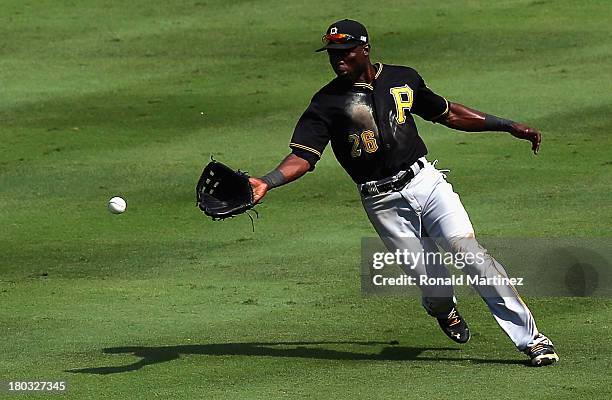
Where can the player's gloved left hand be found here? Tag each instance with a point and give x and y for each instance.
(222, 192)
(522, 131)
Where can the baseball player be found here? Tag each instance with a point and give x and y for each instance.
(366, 113)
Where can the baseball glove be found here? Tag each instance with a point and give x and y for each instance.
(222, 192)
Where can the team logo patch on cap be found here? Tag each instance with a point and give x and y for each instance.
(333, 31)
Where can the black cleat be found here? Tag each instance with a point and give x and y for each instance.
(542, 352)
(455, 327)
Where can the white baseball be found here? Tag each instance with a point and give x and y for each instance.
(117, 205)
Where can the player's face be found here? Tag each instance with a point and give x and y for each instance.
(348, 64)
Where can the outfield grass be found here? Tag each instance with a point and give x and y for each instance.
(101, 99)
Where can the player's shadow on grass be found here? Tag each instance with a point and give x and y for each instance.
(391, 352)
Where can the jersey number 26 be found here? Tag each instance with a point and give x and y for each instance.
(367, 141)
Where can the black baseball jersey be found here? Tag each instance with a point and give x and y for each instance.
(370, 126)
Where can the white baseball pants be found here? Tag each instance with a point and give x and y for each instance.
(429, 210)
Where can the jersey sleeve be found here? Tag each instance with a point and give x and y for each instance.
(311, 135)
(427, 104)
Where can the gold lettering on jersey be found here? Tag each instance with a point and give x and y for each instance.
(403, 97)
(368, 139)
(355, 150)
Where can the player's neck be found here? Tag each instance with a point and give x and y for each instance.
(368, 75)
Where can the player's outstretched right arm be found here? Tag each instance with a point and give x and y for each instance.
(466, 119)
(290, 169)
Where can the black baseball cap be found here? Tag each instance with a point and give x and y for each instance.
(345, 34)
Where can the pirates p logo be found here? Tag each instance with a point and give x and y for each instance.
(403, 97)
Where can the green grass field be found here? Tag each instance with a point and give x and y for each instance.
(101, 99)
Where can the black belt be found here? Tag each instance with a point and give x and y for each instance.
(393, 183)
